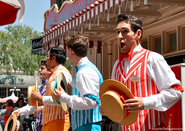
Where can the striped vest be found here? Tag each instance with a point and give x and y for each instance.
(51, 112)
(81, 117)
(147, 119)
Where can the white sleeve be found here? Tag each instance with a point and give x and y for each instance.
(164, 78)
(26, 110)
(48, 100)
(78, 103)
(162, 101)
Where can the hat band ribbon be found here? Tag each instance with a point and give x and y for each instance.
(122, 96)
(16, 126)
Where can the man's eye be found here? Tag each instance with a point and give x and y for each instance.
(117, 32)
(124, 32)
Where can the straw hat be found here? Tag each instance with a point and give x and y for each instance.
(32, 102)
(61, 81)
(112, 95)
(12, 124)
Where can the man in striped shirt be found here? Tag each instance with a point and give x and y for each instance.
(146, 74)
(54, 117)
(84, 100)
(27, 110)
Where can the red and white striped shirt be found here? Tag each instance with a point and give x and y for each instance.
(148, 73)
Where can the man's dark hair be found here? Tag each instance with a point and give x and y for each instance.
(135, 22)
(79, 44)
(60, 54)
(44, 62)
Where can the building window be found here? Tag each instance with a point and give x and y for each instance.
(2, 92)
(144, 43)
(171, 40)
(183, 37)
(157, 43)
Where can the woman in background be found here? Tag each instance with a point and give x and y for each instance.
(20, 103)
(9, 110)
(3, 109)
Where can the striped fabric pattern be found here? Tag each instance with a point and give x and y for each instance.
(51, 112)
(81, 117)
(147, 119)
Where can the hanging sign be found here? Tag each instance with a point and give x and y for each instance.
(68, 9)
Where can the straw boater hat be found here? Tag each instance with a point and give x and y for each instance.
(32, 102)
(12, 124)
(112, 95)
(61, 81)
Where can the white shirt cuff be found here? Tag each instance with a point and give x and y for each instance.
(48, 100)
(148, 102)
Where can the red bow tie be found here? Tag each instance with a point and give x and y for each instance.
(126, 55)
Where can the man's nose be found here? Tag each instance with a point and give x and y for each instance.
(120, 35)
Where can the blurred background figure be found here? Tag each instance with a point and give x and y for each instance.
(3, 109)
(8, 112)
(21, 95)
(21, 103)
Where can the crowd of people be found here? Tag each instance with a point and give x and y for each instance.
(9, 107)
(155, 86)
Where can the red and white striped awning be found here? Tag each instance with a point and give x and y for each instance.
(54, 24)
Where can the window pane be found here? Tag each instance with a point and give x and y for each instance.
(172, 42)
(2, 92)
(158, 44)
(183, 37)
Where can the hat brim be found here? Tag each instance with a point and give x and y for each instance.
(61, 82)
(113, 84)
(12, 124)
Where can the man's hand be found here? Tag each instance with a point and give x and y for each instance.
(101, 111)
(58, 93)
(134, 104)
(39, 109)
(35, 95)
(16, 112)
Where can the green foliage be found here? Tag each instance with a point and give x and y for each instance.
(15, 50)
(183, 60)
(68, 66)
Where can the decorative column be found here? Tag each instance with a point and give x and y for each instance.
(107, 60)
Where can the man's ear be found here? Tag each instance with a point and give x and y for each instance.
(54, 58)
(71, 51)
(138, 34)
